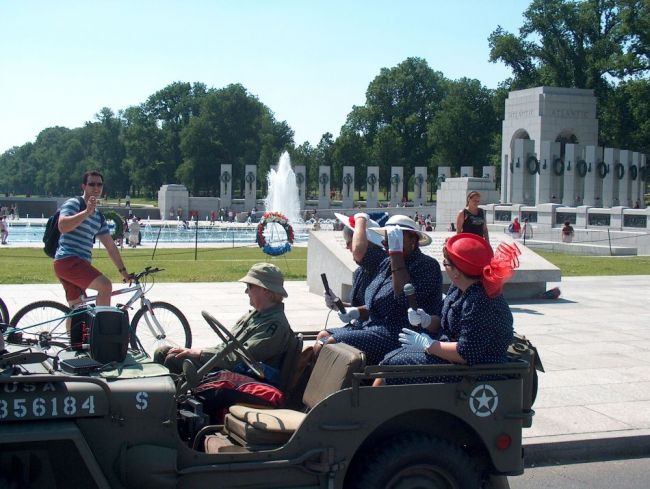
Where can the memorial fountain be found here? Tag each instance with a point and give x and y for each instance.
(283, 191)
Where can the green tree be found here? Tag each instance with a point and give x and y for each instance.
(404, 98)
(349, 150)
(107, 152)
(233, 127)
(463, 131)
(172, 108)
(575, 44)
(143, 160)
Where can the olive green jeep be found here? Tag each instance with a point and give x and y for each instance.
(65, 423)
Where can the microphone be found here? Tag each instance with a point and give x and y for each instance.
(338, 302)
(409, 292)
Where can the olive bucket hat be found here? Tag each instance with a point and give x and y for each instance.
(267, 276)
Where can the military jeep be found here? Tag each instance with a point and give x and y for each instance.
(134, 425)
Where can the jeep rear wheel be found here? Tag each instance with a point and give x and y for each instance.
(418, 462)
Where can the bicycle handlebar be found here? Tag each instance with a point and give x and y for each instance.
(145, 272)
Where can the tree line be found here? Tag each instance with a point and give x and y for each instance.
(413, 115)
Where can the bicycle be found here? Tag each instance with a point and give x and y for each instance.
(154, 324)
(4, 313)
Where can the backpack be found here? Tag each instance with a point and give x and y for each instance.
(52, 234)
(511, 228)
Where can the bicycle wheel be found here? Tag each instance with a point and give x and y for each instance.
(164, 325)
(4, 312)
(44, 321)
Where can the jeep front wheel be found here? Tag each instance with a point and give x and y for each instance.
(416, 461)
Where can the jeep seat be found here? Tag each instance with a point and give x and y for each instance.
(290, 362)
(258, 428)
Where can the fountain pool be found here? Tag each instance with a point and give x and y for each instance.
(32, 232)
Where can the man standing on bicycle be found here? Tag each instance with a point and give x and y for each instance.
(79, 225)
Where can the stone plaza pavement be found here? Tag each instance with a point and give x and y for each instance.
(594, 341)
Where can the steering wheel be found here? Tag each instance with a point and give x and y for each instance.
(237, 347)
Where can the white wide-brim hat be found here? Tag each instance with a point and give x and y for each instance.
(348, 222)
(407, 224)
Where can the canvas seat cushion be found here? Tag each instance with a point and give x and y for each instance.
(262, 426)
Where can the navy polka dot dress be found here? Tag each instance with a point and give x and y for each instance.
(366, 272)
(482, 326)
(388, 314)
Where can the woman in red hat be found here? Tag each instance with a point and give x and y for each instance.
(475, 326)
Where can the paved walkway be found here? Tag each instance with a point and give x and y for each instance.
(594, 399)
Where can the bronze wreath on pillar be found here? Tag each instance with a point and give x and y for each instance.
(532, 165)
(324, 179)
(620, 170)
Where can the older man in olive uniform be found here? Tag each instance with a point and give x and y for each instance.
(264, 331)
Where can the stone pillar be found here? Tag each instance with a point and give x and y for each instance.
(420, 185)
(466, 171)
(250, 187)
(624, 184)
(634, 182)
(522, 189)
(546, 214)
(610, 188)
(444, 172)
(324, 187)
(347, 188)
(582, 216)
(225, 185)
(546, 181)
(616, 217)
(641, 182)
(505, 179)
(396, 184)
(489, 173)
(301, 182)
(171, 198)
(372, 187)
(593, 184)
(573, 192)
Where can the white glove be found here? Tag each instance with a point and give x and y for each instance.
(349, 316)
(418, 317)
(361, 214)
(395, 240)
(330, 300)
(420, 341)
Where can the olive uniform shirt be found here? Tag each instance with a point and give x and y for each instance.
(266, 335)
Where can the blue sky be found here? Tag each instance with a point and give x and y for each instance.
(308, 61)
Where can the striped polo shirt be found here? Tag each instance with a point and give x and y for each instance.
(79, 241)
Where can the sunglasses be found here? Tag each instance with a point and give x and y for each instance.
(95, 184)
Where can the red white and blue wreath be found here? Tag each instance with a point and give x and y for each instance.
(277, 218)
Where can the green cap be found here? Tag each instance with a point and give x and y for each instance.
(267, 276)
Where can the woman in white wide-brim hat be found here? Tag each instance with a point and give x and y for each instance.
(367, 252)
(374, 326)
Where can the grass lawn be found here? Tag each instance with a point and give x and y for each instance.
(583, 266)
(31, 266)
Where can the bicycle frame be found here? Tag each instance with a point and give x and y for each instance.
(138, 294)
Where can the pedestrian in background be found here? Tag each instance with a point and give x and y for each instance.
(4, 230)
(471, 219)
